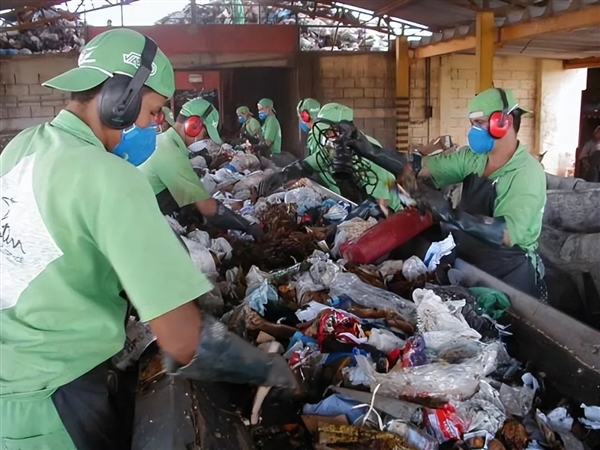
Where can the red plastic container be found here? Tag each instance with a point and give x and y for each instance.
(386, 236)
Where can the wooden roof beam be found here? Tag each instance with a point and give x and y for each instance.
(572, 20)
(592, 62)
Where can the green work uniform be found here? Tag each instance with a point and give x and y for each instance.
(385, 182)
(169, 168)
(251, 127)
(79, 225)
(272, 132)
(520, 189)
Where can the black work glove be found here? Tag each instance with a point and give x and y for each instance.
(226, 219)
(294, 171)
(224, 356)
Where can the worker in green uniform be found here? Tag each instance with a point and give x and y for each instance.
(250, 128)
(307, 110)
(79, 225)
(271, 129)
(378, 183)
(172, 177)
(166, 119)
(499, 218)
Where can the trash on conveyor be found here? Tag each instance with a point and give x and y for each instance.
(388, 354)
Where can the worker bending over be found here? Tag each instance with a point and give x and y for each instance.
(250, 128)
(499, 218)
(172, 177)
(80, 224)
(271, 129)
(380, 184)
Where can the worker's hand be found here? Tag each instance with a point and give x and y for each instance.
(270, 184)
(256, 231)
(434, 202)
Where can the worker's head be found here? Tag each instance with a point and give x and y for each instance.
(597, 134)
(119, 87)
(165, 119)
(307, 113)
(495, 117)
(198, 120)
(265, 108)
(334, 112)
(243, 114)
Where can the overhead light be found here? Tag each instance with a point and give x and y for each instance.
(195, 78)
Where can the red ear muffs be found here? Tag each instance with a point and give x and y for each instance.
(498, 124)
(193, 126)
(305, 116)
(159, 118)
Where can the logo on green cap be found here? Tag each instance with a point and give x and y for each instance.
(135, 59)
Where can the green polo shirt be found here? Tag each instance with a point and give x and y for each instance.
(79, 225)
(381, 182)
(169, 168)
(272, 132)
(251, 126)
(520, 189)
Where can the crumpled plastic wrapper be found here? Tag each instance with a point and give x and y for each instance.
(413, 268)
(435, 382)
(202, 258)
(483, 411)
(304, 197)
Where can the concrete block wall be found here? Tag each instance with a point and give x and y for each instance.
(23, 101)
(453, 85)
(364, 82)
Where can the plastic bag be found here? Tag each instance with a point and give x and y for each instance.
(175, 226)
(389, 268)
(439, 382)
(257, 296)
(305, 197)
(517, 400)
(369, 296)
(483, 411)
(201, 237)
(385, 341)
(245, 161)
(248, 182)
(413, 436)
(222, 248)
(336, 213)
(435, 315)
(202, 257)
(444, 423)
(413, 353)
(413, 268)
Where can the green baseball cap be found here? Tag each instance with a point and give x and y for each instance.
(311, 105)
(489, 101)
(334, 112)
(209, 114)
(266, 103)
(243, 110)
(116, 51)
(168, 115)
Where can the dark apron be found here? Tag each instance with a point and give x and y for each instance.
(512, 265)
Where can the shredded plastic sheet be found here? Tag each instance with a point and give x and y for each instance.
(371, 297)
(435, 381)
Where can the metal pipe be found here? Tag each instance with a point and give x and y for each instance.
(194, 11)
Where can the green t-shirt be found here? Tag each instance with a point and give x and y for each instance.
(381, 185)
(169, 168)
(520, 189)
(272, 132)
(79, 225)
(251, 126)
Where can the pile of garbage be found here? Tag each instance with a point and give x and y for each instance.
(60, 34)
(315, 34)
(388, 355)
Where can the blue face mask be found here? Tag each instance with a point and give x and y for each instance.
(262, 115)
(480, 141)
(137, 144)
(241, 119)
(304, 126)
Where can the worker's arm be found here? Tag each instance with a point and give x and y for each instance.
(161, 281)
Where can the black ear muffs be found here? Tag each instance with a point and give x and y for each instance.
(498, 120)
(120, 98)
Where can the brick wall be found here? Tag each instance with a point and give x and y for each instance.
(23, 101)
(364, 82)
(453, 84)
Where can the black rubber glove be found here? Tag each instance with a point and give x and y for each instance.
(390, 160)
(224, 356)
(487, 229)
(226, 219)
(294, 171)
